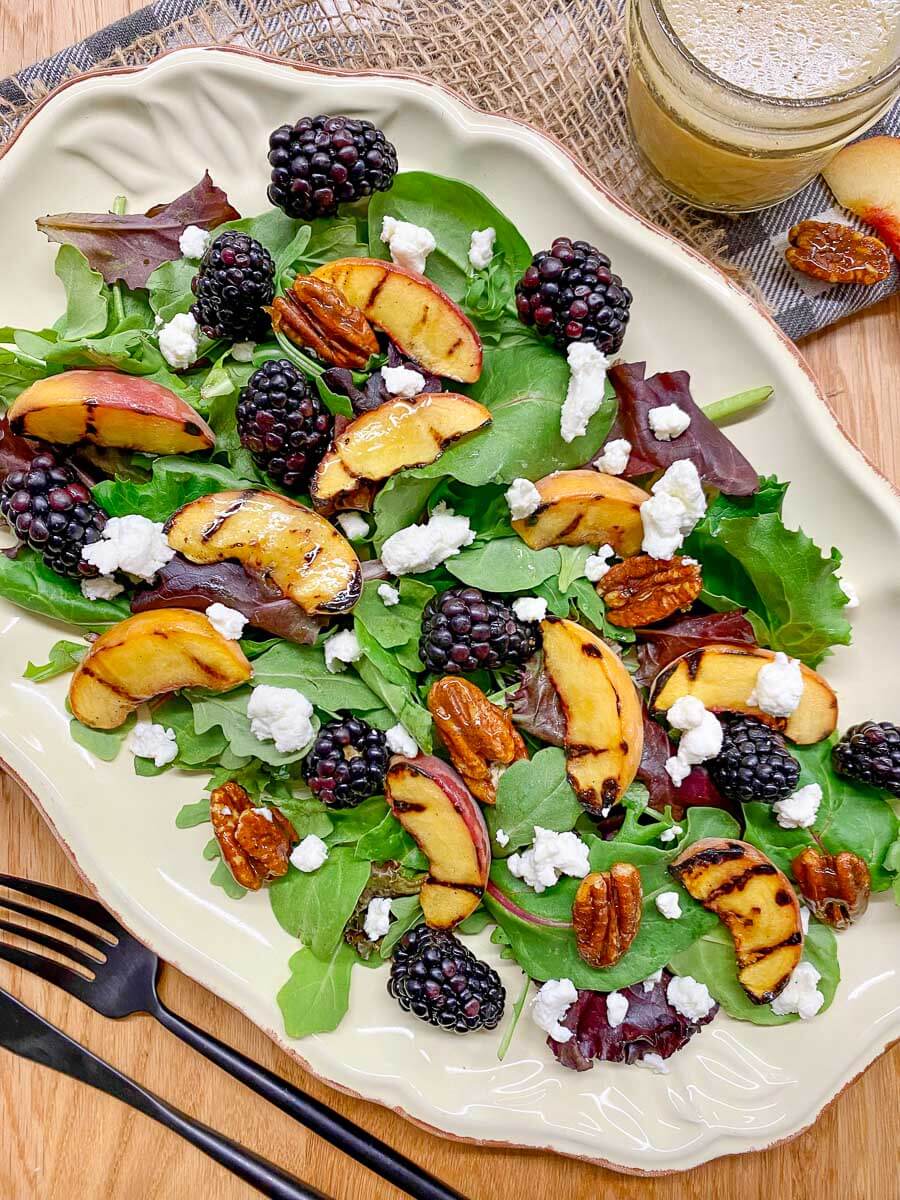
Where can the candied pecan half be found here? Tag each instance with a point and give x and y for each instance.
(643, 590)
(480, 737)
(837, 253)
(836, 887)
(606, 913)
(314, 314)
(255, 846)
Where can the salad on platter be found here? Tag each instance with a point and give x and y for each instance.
(461, 621)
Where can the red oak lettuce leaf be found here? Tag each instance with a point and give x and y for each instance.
(651, 1026)
(535, 706)
(374, 393)
(131, 246)
(15, 452)
(698, 790)
(662, 644)
(719, 463)
(183, 584)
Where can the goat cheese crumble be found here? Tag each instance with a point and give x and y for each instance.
(400, 741)
(242, 352)
(403, 381)
(701, 737)
(193, 241)
(614, 458)
(650, 982)
(616, 1009)
(353, 525)
(667, 422)
(671, 835)
(281, 715)
(669, 905)
(227, 621)
(550, 1005)
(179, 340)
(103, 587)
(378, 918)
(481, 247)
(388, 595)
(341, 649)
(410, 244)
(690, 998)
(419, 548)
(677, 504)
(587, 384)
(530, 608)
(551, 855)
(800, 810)
(131, 544)
(153, 741)
(501, 837)
(653, 1062)
(779, 687)
(850, 592)
(523, 499)
(801, 996)
(310, 853)
(597, 565)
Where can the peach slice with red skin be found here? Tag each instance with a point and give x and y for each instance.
(109, 408)
(378, 444)
(865, 177)
(585, 508)
(149, 655)
(436, 808)
(419, 318)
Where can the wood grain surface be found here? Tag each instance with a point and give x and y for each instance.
(59, 1141)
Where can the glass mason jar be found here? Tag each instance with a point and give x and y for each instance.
(722, 147)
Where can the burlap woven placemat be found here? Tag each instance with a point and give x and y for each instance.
(559, 64)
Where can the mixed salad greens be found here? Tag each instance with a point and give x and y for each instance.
(764, 585)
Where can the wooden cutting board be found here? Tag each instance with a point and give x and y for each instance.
(59, 1141)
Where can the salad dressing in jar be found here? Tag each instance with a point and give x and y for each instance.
(736, 104)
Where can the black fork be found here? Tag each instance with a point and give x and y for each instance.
(124, 981)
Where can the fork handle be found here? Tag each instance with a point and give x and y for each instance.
(342, 1133)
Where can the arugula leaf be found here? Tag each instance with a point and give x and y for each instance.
(16, 375)
(398, 624)
(350, 824)
(388, 840)
(223, 878)
(399, 503)
(64, 656)
(711, 961)
(396, 687)
(317, 994)
(407, 912)
(307, 815)
(87, 296)
(535, 792)
(192, 815)
(852, 816)
(303, 668)
(27, 582)
(104, 744)
(892, 864)
(316, 905)
(175, 480)
(504, 565)
(789, 587)
(229, 713)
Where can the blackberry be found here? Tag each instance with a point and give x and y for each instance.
(236, 279)
(283, 423)
(51, 510)
(870, 752)
(570, 293)
(347, 763)
(464, 630)
(321, 162)
(437, 979)
(754, 763)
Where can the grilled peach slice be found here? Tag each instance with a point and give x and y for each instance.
(420, 319)
(109, 408)
(378, 444)
(723, 677)
(585, 508)
(865, 178)
(756, 903)
(604, 726)
(278, 540)
(436, 808)
(149, 655)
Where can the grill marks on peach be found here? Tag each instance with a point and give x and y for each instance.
(585, 508)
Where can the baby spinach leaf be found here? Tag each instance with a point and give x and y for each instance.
(350, 824)
(452, 210)
(711, 961)
(303, 668)
(87, 296)
(317, 994)
(475, 923)
(170, 288)
(192, 815)
(535, 792)
(316, 905)
(307, 815)
(388, 840)
(104, 744)
(851, 816)
(399, 503)
(27, 582)
(64, 656)
(504, 565)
